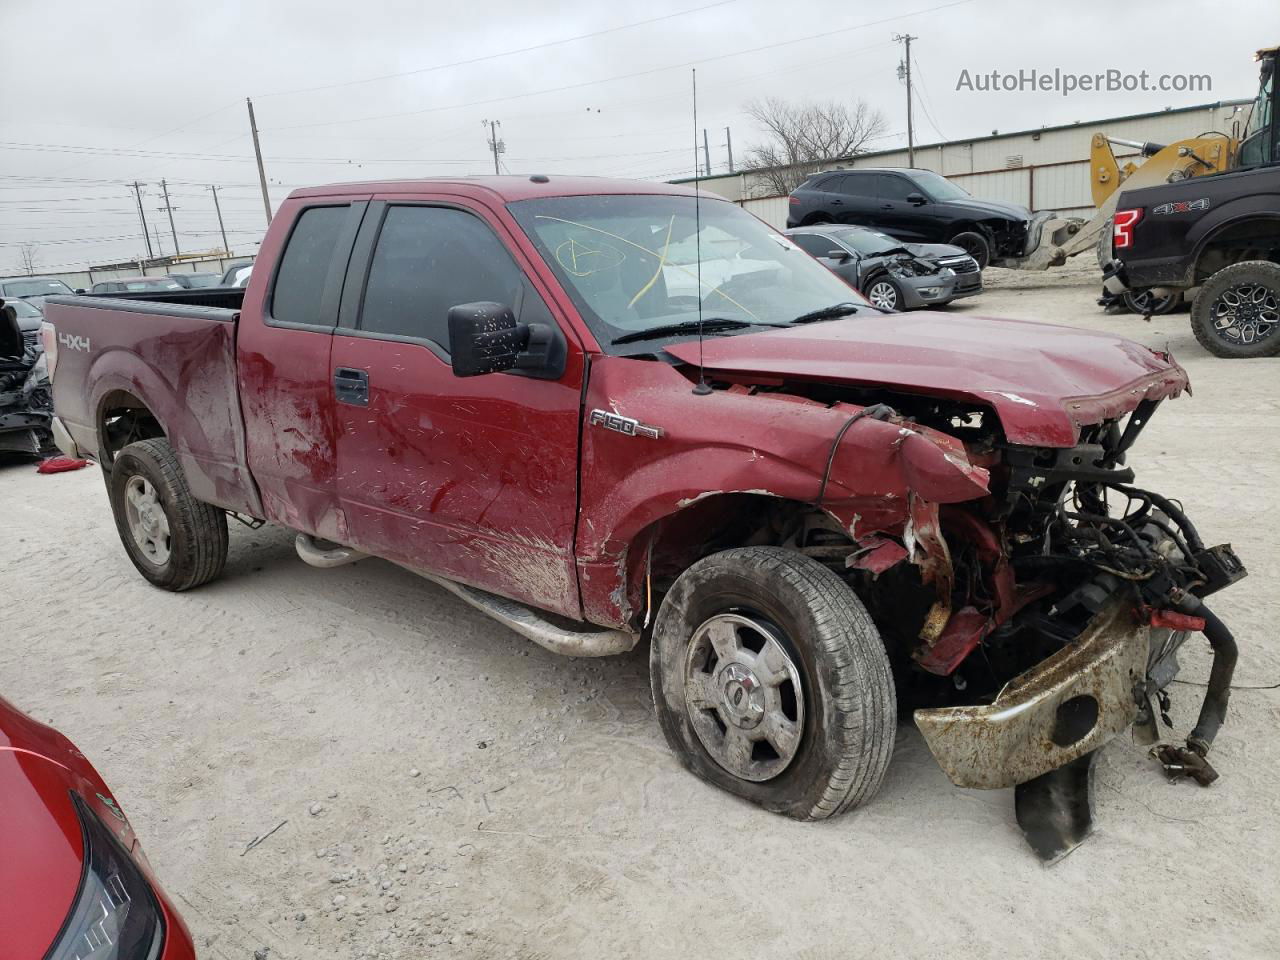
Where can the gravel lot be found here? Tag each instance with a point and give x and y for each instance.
(452, 790)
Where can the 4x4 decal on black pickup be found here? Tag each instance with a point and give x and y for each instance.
(1182, 206)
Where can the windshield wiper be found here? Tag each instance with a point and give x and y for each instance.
(708, 325)
(833, 312)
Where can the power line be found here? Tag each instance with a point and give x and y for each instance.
(626, 76)
(505, 53)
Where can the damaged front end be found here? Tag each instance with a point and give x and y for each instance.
(1047, 618)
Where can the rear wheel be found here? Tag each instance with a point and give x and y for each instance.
(1237, 312)
(176, 541)
(771, 681)
(975, 245)
(884, 293)
(1148, 304)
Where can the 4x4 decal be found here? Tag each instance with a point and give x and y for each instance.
(1182, 206)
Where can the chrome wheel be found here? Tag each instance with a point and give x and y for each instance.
(1245, 313)
(883, 295)
(744, 696)
(147, 521)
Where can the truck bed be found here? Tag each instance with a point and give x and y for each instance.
(176, 349)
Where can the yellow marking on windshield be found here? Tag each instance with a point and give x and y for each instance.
(662, 259)
(653, 253)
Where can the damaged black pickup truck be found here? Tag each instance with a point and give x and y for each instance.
(25, 405)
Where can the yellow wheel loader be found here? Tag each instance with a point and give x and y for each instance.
(1051, 239)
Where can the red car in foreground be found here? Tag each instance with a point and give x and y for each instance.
(74, 883)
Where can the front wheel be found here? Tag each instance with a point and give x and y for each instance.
(975, 244)
(1236, 314)
(176, 541)
(771, 681)
(885, 294)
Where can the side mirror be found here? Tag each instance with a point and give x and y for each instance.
(80, 291)
(916, 199)
(839, 256)
(485, 338)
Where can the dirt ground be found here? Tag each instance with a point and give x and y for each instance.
(449, 789)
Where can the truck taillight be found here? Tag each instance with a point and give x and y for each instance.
(1122, 232)
(793, 200)
(49, 338)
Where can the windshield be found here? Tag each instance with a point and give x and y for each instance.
(868, 242)
(34, 288)
(631, 263)
(203, 280)
(23, 309)
(938, 187)
(1256, 146)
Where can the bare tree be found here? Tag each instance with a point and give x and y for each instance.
(802, 138)
(29, 255)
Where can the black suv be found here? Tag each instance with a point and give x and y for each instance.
(912, 205)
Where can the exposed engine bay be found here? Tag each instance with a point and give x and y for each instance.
(1029, 627)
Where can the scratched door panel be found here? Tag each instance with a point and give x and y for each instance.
(474, 479)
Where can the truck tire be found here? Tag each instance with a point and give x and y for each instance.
(1237, 312)
(1147, 304)
(975, 244)
(771, 682)
(176, 541)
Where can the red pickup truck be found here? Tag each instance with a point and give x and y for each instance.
(605, 410)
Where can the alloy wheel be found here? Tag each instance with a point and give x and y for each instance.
(883, 295)
(1246, 313)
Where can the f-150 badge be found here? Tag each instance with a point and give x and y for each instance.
(625, 425)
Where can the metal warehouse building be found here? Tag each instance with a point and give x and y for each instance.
(1044, 169)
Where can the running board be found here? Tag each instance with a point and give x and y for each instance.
(533, 625)
(529, 623)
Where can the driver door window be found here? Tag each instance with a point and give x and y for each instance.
(429, 259)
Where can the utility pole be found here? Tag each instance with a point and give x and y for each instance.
(168, 208)
(155, 227)
(218, 209)
(728, 142)
(706, 153)
(137, 192)
(257, 152)
(904, 73)
(495, 145)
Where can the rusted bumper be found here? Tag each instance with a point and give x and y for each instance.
(1061, 709)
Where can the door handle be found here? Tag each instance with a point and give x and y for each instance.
(837, 203)
(351, 386)
(886, 206)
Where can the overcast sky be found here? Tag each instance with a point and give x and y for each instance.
(94, 95)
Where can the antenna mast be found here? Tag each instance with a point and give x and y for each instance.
(703, 388)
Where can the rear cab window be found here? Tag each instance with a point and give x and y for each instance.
(309, 277)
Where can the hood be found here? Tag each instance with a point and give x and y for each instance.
(1043, 381)
(934, 251)
(1014, 211)
(43, 851)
